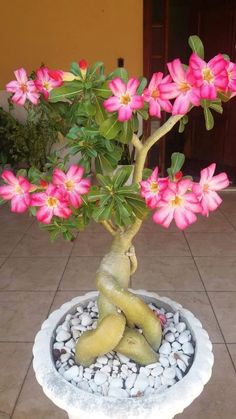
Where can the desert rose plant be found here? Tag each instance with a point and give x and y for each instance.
(102, 114)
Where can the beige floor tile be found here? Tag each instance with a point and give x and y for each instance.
(2, 260)
(14, 362)
(63, 297)
(33, 404)
(32, 274)
(167, 273)
(232, 350)
(198, 303)
(215, 223)
(10, 221)
(80, 273)
(8, 242)
(229, 202)
(4, 415)
(212, 244)
(224, 304)
(92, 244)
(22, 313)
(218, 273)
(162, 244)
(217, 401)
(37, 243)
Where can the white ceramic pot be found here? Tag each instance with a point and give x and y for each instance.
(83, 405)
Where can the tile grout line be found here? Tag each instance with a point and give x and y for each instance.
(208, 297)
(227, 219)
(18, 242)
(48, 312)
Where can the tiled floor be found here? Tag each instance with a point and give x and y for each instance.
(196, 268)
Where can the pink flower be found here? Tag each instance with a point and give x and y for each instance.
(125, 101)
(152, 188)
(83, 64)
(178, 203)
(231, 72)
(51, 202)
(209, 77)
(47, 80)
(73, 183)
(17, 190)
(185, 92)
(22, 88)
(207, 187)
(155, 97)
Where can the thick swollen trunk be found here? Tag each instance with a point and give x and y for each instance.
(119, 312)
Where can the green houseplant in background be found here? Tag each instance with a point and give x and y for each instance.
(101, 114)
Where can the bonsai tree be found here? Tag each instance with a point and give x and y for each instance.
(102, 114)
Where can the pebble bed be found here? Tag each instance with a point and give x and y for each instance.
(114, 374)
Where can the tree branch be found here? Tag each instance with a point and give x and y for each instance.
(136, 142)
(109, 227)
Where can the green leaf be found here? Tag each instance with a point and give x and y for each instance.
(120, 72)
(74, 68)
(100, 111)
(142, 85)
(209, 120)
(103, 91)
(177, 161)
(139, 207)
(121, 176)
(196, 45)
(104, 180)
(22, 172)
(146, 173)
(216, 106)
(90, 108)
(126, 133)
(144, 114)
(2, 201)
(110, 128)
(102, 212)
(226, 57)
(67, 91)
(92, 70)
(225, 97)
(182, 123)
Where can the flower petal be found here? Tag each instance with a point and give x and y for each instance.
(124, 113)
(117, 86)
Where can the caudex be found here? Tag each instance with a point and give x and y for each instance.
(99, 118)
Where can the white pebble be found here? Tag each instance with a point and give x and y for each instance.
(181, 327)
(184, 358)
(87, 375)
(102, 360)
(179, 374)
(165, 348)
(169, 315)
(157, 371)
(66, 326)
(169, 373)
(70, 344)
(68, 317)
(141, 382)
(71, 373)
(170, 337)
(118, 393)
(75, 321)
(116, 362)
(176, 346)
(62, 336)
(157, 382)
(144, 370)
(58, 345)
(94, 309)
(183, 337)
(176, 317)
(181, 365)
(100, 378)
(105, 388)
(172, 359)
(151, 381)
(106, 369)
(80, 309)
(116, 383)
(65, 357)
(86, 319)
(93, 386)
(154, 365)
(188, 348)
(129, 382)
(124, 359)
(164, 361)
(83, 385)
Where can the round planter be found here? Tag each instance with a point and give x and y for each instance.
(83, 405)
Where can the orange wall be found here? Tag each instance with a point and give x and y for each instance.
(58, 32)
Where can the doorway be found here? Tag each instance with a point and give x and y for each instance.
(167, 26)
